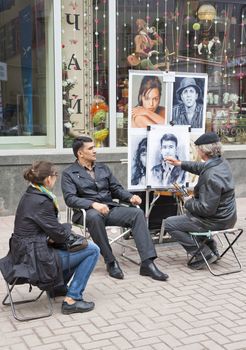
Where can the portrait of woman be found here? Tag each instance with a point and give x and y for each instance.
(148, 110)
(139, 164)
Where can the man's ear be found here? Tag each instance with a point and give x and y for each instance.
(80, 154)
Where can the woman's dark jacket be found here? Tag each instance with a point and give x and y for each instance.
(214, 197)
(29, 255)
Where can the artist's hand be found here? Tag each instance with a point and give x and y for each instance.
(102, 208)
(135, 200)
(172, 161)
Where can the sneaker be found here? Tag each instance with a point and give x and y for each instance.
(77, 307)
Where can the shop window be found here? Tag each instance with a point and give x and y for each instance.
(99, 107)
(26, 79)
(187, 36)
(85, 71)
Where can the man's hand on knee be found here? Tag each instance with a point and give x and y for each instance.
(135, 200)
(102, 208)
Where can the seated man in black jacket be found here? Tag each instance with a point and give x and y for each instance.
(92, 186)
(213, 206)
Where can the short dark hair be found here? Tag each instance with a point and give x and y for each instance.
(79, 142)
(169, 137)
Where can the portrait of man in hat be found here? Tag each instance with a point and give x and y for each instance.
(188, 106)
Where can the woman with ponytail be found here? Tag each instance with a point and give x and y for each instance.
(32, 256)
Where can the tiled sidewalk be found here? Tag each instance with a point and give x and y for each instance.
(192, 311)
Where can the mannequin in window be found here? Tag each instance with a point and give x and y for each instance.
(146, 42)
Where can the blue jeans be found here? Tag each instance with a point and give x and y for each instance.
(79, 265)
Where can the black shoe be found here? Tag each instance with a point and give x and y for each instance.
(58, 292)
(213, 246)
(198, 263)
(152, 271)
(114, 270)
(78, 306)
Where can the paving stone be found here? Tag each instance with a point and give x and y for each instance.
(96, 344)
(107, 335)
(193, 310)
(32, 340)
(121, 343)
(161, 346)
(53, 346)
(19, 347)
(236, 346)
(141, 343)
(210, 344)
(71, 344)
(195, 346)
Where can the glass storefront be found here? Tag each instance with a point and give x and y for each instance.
(85, 71)
(187, 36)
(101, 40)
(27, 84)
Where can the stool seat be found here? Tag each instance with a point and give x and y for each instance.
(235, 232)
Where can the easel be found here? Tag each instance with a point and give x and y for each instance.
(168, 78)
(177, 194)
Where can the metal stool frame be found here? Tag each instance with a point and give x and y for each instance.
(125, 232)
(200, 244)
(12, 303)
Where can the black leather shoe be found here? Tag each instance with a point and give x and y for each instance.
(198, 263)
(58, 292)
(152, 271)
(114, 270)
(78, 306)
(213, 246)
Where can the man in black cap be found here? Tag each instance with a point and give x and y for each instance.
(212, 206)
(189, 111)
(91, 186)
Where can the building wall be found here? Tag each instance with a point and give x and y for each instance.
(13, 185)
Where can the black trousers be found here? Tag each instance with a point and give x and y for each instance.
(180, 226)
(124, 217)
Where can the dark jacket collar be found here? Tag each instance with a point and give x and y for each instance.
(211, 163)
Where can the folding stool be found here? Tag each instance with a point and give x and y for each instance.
(12, 303)
(119, 238)
(236, 232)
